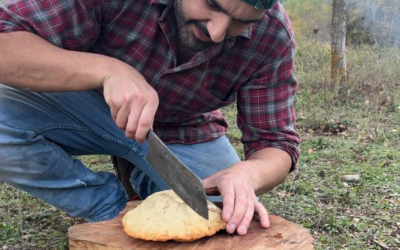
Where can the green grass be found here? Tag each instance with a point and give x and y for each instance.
(351, 128)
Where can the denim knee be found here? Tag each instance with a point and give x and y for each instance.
(43, 169)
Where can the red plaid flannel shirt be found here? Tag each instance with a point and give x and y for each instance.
(255, 69)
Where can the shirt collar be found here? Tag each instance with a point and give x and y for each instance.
(168, 3)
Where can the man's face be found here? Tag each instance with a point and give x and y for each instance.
(204, 22)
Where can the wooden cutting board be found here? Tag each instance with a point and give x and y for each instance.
(109, 235)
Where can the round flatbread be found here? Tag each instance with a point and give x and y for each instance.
(164, 216)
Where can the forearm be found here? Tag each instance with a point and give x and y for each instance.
(31, 63)
(270, 167)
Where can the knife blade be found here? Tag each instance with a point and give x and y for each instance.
(179, 178)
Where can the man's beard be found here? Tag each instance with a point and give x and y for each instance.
(186, 35)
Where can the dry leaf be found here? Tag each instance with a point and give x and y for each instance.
(94, 160)
(383, 245)
(283, 194)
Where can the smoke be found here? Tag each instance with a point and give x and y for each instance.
(374, 21)
(368, 21)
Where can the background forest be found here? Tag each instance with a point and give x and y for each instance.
(346, 190)
(369, 22)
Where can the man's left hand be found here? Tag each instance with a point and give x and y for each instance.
(236, 186)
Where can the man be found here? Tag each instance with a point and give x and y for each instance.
(161, 64)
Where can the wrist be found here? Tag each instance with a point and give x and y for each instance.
(254, 171)
(105, 67)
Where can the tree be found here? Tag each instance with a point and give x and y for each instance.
(338, 41)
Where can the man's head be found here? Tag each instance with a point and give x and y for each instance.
(204, 22)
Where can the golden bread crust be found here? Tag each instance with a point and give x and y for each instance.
(164, 216)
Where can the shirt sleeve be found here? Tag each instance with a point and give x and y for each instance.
(266, 115)
(71, 24)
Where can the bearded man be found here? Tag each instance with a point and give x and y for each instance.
(94, 76)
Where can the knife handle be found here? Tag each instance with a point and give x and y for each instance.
(150, 133)
(212, 191)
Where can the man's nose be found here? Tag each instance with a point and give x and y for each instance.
(218, 28)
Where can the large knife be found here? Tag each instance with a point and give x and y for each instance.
(179, 178)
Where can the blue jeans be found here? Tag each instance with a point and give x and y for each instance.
(40, 132)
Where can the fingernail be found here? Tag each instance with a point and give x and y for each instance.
(232, 226)
(243, 229)
(228, 215)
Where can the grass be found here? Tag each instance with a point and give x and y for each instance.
(350, 128)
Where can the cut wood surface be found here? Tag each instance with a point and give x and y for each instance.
(109, 235)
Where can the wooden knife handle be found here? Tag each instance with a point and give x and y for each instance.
(212, 191)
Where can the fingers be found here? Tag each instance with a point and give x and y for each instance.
(263, 214)
(243, 212)
(248, 216)
(240, 204)
(238, 197)
(137, 119)
(114, 113)
(228, 199)
(122, 116)
(212, 185)
(133, 107)
(144, 123)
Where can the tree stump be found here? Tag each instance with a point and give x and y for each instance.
(109, 235)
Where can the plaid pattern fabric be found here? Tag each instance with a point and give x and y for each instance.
(255, 69)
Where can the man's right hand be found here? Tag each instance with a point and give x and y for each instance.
(133, 102)
(29, 62)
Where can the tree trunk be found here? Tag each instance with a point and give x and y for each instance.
(338, 43)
